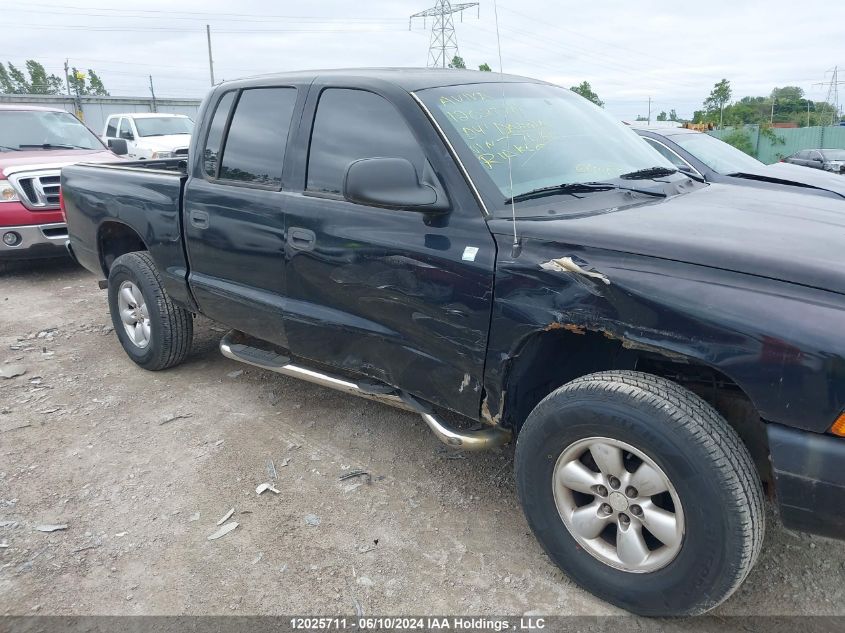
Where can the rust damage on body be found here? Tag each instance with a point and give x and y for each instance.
(486, 416)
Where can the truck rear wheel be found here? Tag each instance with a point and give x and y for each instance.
(154, 332)
(641, 492)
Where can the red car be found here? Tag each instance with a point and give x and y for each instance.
(35, 143)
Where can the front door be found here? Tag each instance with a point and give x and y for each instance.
(234, 212)
(125, 132)
(400, 296)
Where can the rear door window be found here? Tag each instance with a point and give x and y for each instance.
(214, 139)
(255, 144)
(351, 125)
(111, 128)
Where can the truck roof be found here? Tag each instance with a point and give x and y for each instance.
(149, 115)
(409, 79)
(26, 107)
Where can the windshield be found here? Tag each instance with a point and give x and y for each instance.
(49, 129)
(551, 135)
(834, 154)
(160, 126)
(717, 155)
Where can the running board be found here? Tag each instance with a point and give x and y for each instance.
(235, 345)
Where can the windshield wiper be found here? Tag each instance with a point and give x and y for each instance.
(14, 149)
(578, 187)
(52, 146)
(648, 173)
(566, 188)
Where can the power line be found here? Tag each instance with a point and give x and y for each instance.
(203, 15)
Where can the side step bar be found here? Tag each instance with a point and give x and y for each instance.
(235, 345)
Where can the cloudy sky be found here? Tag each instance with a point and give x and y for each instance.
(669, 51)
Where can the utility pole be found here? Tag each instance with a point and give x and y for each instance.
(210, 61)
(153, 93)
(649, 110)
(67, 79)
(772, 117)
(443, 45)
(808, 113)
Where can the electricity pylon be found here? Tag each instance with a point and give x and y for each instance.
(444, 44)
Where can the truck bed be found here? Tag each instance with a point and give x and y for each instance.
(128, 200)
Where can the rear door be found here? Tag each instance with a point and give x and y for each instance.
(400, 296)
(234, 211)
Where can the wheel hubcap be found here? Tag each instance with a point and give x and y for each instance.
(134, 314)
(618, 504)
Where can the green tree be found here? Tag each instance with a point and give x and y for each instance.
(485, 67)
(457, 62)
(95, 85)
(662, 116)
(740, 140)
(673, 116)
(586, 91)
(13, 80)
(21, 85)
(719, 97)
(6, 85)
(40, 82)
(90, 84)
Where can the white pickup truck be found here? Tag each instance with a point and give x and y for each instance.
(151, 135)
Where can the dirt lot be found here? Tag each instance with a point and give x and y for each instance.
(140, 466)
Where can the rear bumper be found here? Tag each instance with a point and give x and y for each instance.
(34, 241)
(809, 472)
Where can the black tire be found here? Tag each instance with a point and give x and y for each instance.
(703, 458)
(172, 327)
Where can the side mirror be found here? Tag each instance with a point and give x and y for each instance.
(118, 146)
(686, 169)
(392, 183)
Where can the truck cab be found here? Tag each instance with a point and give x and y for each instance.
(506, 259)
(150, 135)
(35, 143)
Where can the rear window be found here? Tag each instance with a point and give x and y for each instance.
(257, 137)
(111, 128)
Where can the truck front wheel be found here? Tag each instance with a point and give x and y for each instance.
(641, 492)
(154, 332)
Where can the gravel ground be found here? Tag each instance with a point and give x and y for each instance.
(141, 466)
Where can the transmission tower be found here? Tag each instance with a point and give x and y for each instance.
(444, 44)
(833, 92)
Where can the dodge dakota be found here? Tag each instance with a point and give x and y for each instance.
(505, 259)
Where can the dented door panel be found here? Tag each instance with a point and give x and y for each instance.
(772, 339)
(386, 294)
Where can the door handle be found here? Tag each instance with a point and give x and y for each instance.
(301, 239)
(199, 219)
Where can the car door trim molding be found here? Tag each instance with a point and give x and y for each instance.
(454, 154)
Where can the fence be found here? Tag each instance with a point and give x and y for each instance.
(794, 140)
(95, 110)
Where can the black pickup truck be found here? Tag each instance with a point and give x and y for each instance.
(504, 258)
